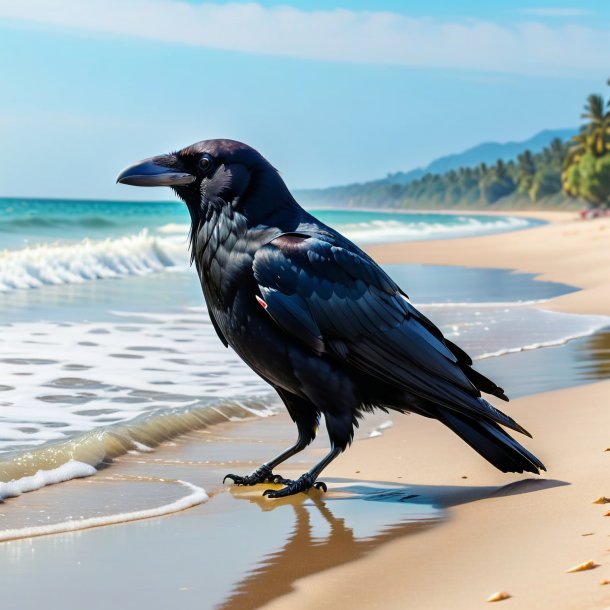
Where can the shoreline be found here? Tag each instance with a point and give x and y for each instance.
(566, 250)
(512, 540)
(483, 545)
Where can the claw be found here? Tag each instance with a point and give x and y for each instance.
(260, 475)
(304, 483)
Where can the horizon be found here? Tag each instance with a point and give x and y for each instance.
(331, 95)
(173, 198)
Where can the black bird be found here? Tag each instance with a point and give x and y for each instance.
(315, 316)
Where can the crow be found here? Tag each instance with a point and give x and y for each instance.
(316, 317)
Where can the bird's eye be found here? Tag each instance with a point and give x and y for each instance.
(205, 164)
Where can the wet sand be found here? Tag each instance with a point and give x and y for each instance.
(453, 532)
(519, 537)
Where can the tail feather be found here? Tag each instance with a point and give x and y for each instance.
(491, 442)
(482, 383)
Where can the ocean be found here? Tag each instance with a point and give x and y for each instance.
(106, 346)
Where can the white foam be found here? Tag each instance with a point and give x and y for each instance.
(196, 496)
(71, 263)
(482, 305)
(65, 472)
(396, 230)
(531, 346)
(74, 263)
(172, 363)
(142, 448)
(174, 228)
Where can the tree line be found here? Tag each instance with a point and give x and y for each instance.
(532, 176)
(577, 172)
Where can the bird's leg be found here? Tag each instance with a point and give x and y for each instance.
(264, 474)
(306, 481)
(306, 418)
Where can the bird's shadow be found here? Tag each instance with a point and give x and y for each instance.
(356, 519)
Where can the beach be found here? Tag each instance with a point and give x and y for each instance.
(525, 534)
(440, 527)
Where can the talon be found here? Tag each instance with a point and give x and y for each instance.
(260, 475)
(294, 487)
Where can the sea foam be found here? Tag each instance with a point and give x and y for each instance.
(49, 264)
(72, 263)
(65, 472)
(196, 495)
(381, 230)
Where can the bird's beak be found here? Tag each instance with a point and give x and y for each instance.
(151, 173)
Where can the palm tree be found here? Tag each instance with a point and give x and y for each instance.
(598, 123)
(586, 149)
(525, 171)
(594, 136)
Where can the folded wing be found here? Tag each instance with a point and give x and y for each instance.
(336, 300)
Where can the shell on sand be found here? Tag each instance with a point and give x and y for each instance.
(604, 581)
(602, 500)
(498, 597)
(587, 565)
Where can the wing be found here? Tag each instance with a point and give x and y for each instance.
(331, 296)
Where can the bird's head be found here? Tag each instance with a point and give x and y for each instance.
(211, 172)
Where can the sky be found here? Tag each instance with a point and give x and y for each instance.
(331, 92)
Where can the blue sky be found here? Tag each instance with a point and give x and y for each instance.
(330, 92)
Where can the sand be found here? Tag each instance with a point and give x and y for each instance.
(500, 532)
(521, 538)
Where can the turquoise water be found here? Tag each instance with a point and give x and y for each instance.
(27, 221)
(54, 242)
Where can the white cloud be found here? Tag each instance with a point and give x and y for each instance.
(332, 35)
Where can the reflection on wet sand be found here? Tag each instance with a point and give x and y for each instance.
(594, 363)
(388, 513)
(347, 523)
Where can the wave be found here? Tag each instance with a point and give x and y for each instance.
(396, 230)
(174, 228)
(540, 344)
(479, 305)
(19, 469)
(70, 263)
(66, 472)
(197, 495)
(54, 264)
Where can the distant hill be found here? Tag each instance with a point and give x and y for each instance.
(487, 152)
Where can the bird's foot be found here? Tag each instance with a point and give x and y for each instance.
(303, 483)
(260, 475)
